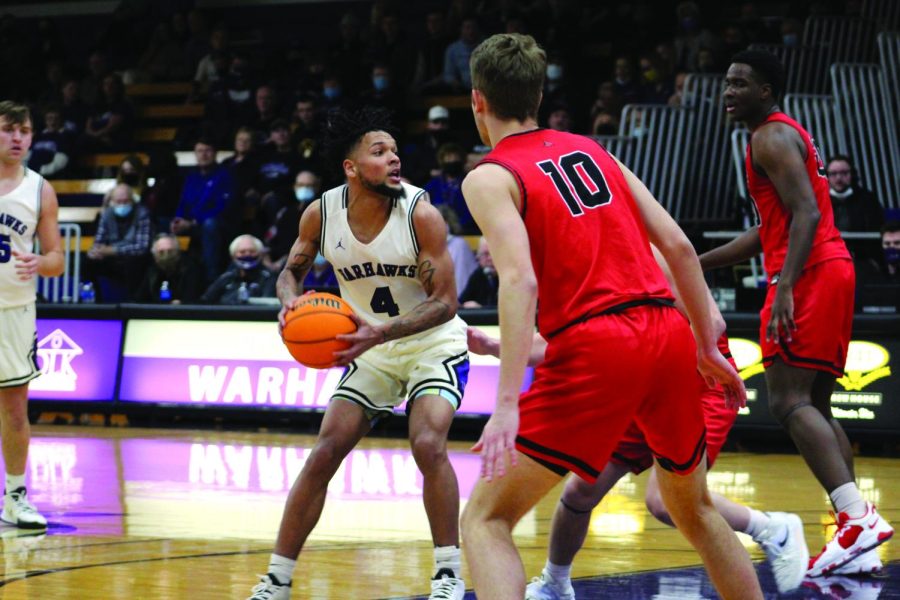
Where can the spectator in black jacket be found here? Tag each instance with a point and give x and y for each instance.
(245, 278)
(855, 208)
(483, 283)
(173, 278)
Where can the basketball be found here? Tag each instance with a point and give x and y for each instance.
(311, 327)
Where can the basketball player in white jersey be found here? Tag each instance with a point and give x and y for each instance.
(28, 206)
(387, 245)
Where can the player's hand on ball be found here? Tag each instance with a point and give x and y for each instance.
(498, 441)
(361, 340)
(286, 308)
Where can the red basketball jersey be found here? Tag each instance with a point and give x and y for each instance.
(775, 219)
(589, 246)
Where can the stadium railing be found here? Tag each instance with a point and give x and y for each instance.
(889, 57)
(816, 112)
(64, 289)
(867, 117)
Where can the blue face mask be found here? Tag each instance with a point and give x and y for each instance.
(304, 193)
(247, 264)
(380, 83)
(320, 261)
(122, 210)
(332, 93)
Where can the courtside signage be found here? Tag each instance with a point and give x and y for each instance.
(78, 360)
(242, 365)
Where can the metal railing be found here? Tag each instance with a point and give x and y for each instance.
(817, 115)
(64, 288)
(659, 133)
(889, 57)
(866, 115)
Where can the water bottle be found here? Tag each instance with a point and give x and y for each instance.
(87, 295)
(243, 293)
(165, 294)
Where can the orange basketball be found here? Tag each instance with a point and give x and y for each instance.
(310, 329)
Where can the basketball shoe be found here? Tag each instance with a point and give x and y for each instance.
(866, 563)
(845, 588)
(785, 548)
(445, 586)
(269, 588)
(853, 537)
(547, 588)
(18, 511)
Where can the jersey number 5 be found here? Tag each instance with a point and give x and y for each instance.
(579, 181)
(5, 249)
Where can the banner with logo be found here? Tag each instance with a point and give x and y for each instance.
(245, 365)
(866, 397)
(78, 360)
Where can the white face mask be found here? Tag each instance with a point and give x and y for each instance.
(304, 193)
(554, 72)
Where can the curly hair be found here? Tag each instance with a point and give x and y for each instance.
(344, 128)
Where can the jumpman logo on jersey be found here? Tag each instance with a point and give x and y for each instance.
(340, 244)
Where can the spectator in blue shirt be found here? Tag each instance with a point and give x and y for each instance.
(206, 203)
(446, 188)
(121, 247)
(456, 57)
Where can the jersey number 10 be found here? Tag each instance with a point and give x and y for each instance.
(579, 181)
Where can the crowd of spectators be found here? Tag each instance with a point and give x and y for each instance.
(265, 99)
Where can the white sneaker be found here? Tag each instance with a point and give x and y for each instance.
(445, 586)
(269, 588)
(853, 538)
(547, 588)
(18, 511)
(866, 563)
(785, 548)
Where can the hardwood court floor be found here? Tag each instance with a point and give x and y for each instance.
(138, 513)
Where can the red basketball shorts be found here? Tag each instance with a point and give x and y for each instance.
(823, 312)
(638, 366)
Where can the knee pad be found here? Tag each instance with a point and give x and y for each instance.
(784, 418)
(574, 510)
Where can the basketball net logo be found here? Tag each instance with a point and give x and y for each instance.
(55, 353)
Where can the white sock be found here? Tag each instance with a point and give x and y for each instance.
(757, 523)
(14, 482)
(558, 572)
(847, 499)
(448, 557)
(282, 568)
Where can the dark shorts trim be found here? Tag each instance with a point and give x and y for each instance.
(687, 467)
(548, 455)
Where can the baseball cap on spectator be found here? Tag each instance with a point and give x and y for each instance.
(279, 124)
(438, 112)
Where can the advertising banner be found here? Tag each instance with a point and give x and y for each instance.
(245, 365)
(78, 359)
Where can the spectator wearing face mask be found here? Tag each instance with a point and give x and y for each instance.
(483, 285)
(281, 229)
(384, 91)
(855, 208)
(446, 188)
(121, 246)
(173, 277)
(320, 276)
(132, 172)
(244, 278)
(878, 279)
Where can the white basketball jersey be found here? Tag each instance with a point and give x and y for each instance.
(19, 212)
(379, 279)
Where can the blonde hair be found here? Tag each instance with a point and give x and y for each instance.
(508, 69)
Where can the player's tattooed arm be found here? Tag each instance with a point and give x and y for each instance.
(435, 273)
(302, 255)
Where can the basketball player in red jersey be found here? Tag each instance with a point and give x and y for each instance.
(567, 222)
(779, 534)
(807, 317)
